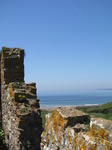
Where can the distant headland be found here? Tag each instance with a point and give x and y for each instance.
(105, 89)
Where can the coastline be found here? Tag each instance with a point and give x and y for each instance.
(51, 108)
(79, 99)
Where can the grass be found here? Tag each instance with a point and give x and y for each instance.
(103, 111)
(2, 138)
(43, 114)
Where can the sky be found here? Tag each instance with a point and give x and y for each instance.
(67, 43)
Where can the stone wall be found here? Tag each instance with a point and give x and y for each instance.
(21, 118)
(68, 129)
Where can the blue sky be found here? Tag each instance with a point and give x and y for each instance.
(68, 43)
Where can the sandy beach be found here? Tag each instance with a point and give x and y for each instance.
(48, 108)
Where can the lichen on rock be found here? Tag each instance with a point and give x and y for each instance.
(66, 129)
(21, 118)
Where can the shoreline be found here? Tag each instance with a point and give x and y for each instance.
(51, 108)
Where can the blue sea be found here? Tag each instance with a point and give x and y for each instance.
(77, 98)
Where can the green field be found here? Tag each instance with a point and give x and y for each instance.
(43, 114)
(102, 111)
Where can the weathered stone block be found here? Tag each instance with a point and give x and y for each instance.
(12, 65)
(60, 128)
(58, 135)
(101, 128)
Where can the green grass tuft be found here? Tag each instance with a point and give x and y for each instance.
(2, 138)
(43, 114)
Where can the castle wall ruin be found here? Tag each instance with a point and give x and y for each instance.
(67, 129)
(21, 117)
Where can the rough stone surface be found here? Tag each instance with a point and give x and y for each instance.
(65, 130)
(21, 118)
(101, 128)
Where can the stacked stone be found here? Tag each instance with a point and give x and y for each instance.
(21, 118)
(12, 65)
(61, 127)
(66, 129)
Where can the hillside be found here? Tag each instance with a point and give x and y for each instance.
(103, 111)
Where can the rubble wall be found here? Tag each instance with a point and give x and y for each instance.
(21, 118)
(68, 129)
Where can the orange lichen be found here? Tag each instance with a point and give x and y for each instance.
(94, 139)
(99, 132)
(81, 144)
(75, 141)
(11, 92)
(47, 125)
(92, 146)
(108, 146)
(19, 119)
(24, 96)
(84, 147)
(19, 96)
(17, 112)
(58, 120)
(69, 137)
(60, 138)
(102, 140)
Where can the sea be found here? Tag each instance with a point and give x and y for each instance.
(78, 98)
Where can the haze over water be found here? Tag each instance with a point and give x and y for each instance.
(78, 98)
